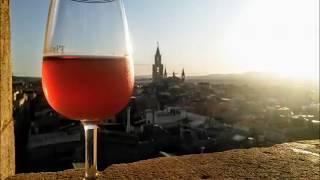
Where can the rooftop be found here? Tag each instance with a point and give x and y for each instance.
(293, 160)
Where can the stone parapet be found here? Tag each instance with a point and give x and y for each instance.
(296, 160)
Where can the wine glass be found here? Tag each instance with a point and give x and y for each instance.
(87, 71)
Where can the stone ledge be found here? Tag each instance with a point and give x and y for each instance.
(297, 160)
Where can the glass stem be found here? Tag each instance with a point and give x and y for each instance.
(90, 131)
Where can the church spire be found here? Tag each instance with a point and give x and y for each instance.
(158, 51)
(157, 67)
(183, 76)
(165, 73)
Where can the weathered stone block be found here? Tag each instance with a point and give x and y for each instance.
(7, 163)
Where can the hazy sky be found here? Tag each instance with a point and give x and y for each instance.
(203, 36)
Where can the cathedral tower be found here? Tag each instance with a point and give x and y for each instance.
(165, 73)
(183, 76)
(157, 67)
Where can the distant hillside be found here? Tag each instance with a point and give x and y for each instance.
(252, 77)
(240, 78)
(25, 78)
(143, 77)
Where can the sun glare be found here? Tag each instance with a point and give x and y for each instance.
(280, 37)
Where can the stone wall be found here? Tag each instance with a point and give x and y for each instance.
(7, 162)
(296, 160)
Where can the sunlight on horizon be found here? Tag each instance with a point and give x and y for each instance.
(278, 37)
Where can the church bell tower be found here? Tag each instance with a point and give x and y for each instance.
(157, 67)
(183, 75)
